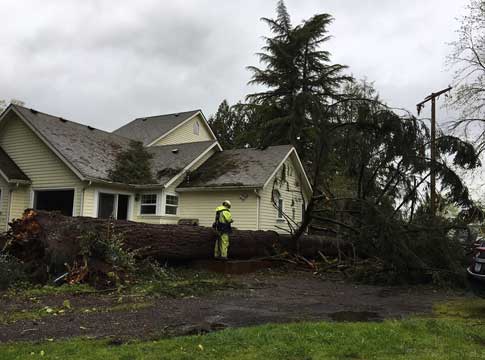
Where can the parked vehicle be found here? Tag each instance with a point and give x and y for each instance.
(477, 267)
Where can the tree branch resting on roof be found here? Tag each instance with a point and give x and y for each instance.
(133, 166)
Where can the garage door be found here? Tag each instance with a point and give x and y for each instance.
(54, 200)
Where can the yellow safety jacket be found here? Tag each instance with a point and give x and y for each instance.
(223, 220)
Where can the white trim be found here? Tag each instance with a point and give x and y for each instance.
(34, 189)
(97, 191)
(300, 165)
(199, 112)
(218, 188)
(9, 207)
(258, 206)
(188, 167)
(164, 201)
(157, 205)
(81, 202)
(47, 143)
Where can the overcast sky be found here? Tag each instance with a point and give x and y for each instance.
(105, 62)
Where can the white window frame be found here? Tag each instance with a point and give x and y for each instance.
(170, 205)
(156, 204)
(196, 128)
(116, 193)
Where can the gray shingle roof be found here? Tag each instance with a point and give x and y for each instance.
(169, 160)
(10, 169)
(93, 152)
(240, 167)
(148, 129)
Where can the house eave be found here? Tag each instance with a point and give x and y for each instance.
(219, 188)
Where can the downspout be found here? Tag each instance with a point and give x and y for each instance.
(258, 204)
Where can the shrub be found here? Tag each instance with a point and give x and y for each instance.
(11, 272)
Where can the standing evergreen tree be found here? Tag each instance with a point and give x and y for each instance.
(299, 78)
(234, 126)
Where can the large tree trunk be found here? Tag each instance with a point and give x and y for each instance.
(43, 239)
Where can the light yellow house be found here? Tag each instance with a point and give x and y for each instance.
(50, 163)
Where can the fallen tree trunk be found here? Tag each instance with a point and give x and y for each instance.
(44, 239)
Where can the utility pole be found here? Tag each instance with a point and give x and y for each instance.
(420, 106)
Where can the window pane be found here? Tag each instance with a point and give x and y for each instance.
(148, 209)
(172, 210)
(280, 208)
(149, 199)
(172, 200)
(106, 205)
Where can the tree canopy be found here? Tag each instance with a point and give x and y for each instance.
(133, 166)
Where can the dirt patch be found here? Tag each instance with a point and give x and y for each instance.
(264, 298)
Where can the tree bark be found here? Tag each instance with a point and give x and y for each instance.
(49, 237)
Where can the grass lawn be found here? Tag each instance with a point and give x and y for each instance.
(432, 338)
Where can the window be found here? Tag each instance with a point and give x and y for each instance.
(113, 205)
(280, 208)
(148, 205)
(196, 128)
(171, 204)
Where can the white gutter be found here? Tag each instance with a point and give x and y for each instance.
(258, 205)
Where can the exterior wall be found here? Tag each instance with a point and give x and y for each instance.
(91, 198)
(4, 203)
(19, 201)
(185, 133)
(201, 205)
(88, 202)
(290, 192)
(161, 217)
(38, 162)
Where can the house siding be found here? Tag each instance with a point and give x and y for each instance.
(201, 205)
(185, 133)
(38, 162)
(4, 199)
(88, 202)
(290, 192)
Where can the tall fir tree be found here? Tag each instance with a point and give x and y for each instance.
(299, 80)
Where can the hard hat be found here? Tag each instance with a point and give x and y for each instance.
(227, 203)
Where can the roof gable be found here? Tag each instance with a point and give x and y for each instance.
(149, 129)
(89, 152)
(238, 168)
(10, 171)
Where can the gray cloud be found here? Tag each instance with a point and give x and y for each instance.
(105, 62)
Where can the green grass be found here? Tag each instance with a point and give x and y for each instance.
(408, 339)
(45, 311)
(28, 291)
(464, 308)
(181, 283)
